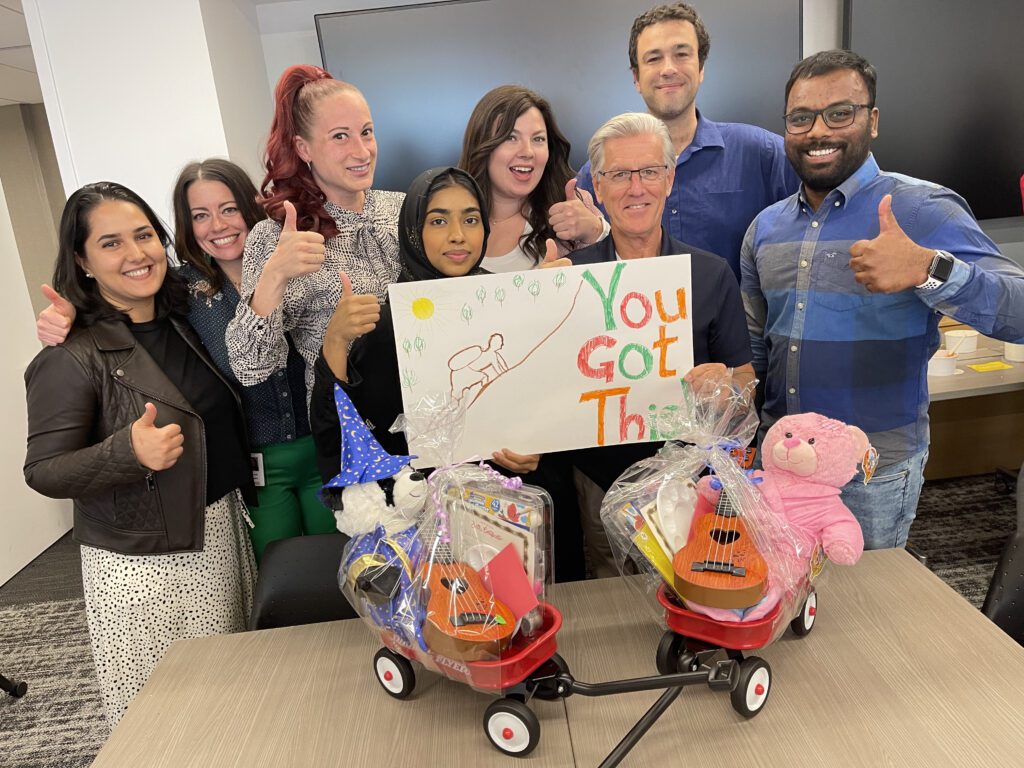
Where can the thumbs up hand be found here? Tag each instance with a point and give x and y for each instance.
(156, 447)
(353, 316)
(577, 218)
(551, 256)
(891, 261)
(54, 322)
(298, 253)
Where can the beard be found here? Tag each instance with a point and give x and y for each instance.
(850, 155)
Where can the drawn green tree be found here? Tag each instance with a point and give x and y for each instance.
(467, 313)
(559, 280)
(407, 346)
(420, 344)
(481, 294)
(499, 295)
(409, 378)
(517, 281)
(534, 288)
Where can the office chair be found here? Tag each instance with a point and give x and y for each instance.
(298, 582)
(17, 690)
(1004, 603)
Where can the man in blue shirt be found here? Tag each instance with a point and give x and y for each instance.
(844, 282)
(725, 173)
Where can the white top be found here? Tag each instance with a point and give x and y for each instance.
(516, 260)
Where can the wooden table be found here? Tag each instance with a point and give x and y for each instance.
(898, 671)
(977, 419)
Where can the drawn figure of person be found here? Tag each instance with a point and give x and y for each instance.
(476, 366)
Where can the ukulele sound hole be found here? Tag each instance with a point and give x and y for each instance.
(458, 586)
(724, 537)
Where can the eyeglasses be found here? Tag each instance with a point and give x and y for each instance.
(835, 116)
(650, 175)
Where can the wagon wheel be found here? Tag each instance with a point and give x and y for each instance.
(753, 687)
(670, 649)
(804, 622)
(512, 727)
(394, 673)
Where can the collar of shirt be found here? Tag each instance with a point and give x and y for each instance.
(855, 183)
(706, 135)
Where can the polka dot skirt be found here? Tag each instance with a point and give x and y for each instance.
(137, 605)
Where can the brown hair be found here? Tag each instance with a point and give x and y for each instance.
(244, 193)
(491, 123)
(672, 12)
(297, 93)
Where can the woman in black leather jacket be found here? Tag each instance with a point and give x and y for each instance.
(131, 419)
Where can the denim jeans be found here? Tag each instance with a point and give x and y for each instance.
(887, 505)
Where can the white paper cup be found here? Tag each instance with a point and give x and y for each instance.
(963, 341)
(942, 364)
(1014, 352)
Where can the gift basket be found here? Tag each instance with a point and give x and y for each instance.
(449, 568)
(727, 556)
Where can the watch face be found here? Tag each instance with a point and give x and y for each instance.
(942, 267)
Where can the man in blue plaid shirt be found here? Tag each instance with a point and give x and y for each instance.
(843, 284)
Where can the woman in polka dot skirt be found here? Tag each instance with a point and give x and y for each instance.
(132, 420)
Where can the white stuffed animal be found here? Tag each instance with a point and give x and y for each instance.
(366, 505)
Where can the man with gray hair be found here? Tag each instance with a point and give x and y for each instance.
(727, 172)
(632, 157)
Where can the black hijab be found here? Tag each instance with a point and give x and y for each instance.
(415, 265)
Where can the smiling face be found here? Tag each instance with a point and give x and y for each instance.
(826, 157)
(453, 231)
(517, 164)
(125, 256)
(341, 148)
(634, 208)
(217, 222)
(668, 73)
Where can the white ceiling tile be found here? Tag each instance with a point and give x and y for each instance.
(13, 30)
(19, 85)
(19, 58)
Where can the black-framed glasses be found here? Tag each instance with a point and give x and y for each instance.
(835, 116)
(650, 175)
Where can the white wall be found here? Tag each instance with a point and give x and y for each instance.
(822, 25)
(129, 90)
(29, 523)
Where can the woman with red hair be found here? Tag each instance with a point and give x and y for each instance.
(327, 228)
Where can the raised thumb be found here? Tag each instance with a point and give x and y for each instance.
(346, 285)
(570, 190)
(289, 217)
(59, 302)
(886, 218)
(550, 251)
(148, 417)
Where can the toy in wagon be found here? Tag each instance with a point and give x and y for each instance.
(731, 556)
(449, 571)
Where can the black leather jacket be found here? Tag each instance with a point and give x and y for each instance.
(83, 396)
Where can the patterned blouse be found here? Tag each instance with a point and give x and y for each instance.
(366, 248)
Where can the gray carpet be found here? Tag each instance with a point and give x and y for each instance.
(961, 527)
(60, 721)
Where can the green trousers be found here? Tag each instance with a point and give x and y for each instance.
(289, 505)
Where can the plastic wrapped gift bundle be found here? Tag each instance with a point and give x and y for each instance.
(711, 545)
(450, 569)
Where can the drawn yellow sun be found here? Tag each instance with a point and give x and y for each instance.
(422, 308)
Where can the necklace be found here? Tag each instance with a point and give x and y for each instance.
(498, 222)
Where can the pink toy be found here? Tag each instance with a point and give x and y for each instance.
(807, 458)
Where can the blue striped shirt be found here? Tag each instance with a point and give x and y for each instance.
(822, 342)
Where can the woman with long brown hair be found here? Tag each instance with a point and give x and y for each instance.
(519, 157)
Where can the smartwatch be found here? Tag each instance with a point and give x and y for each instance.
(938, 272)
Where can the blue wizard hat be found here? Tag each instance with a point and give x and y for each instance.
(363, 460)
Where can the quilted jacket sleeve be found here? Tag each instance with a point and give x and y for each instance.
(63, 462)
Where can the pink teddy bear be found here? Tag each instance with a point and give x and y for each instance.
(807, 458)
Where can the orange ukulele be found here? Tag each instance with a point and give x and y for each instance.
(464, 621)
(720, 566)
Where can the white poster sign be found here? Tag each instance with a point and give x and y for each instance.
(550, 359)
